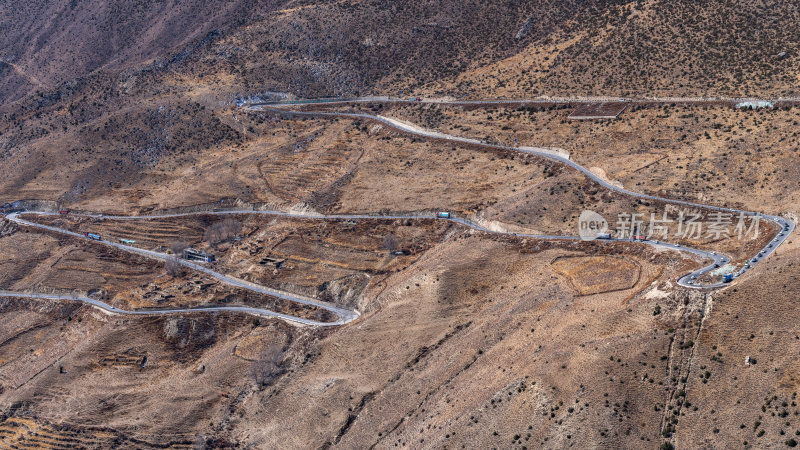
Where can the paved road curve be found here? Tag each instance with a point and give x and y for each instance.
(525, 101)
(161, 312)
(688, 280)
(345, 315)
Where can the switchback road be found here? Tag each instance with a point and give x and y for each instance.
(161, 312)
(346, 316)
(689, 280)
(533, 101)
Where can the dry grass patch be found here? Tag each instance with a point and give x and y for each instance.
(252, 347)
(597, 274)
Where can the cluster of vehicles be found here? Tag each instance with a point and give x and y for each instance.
(748, 264)
(636, 237)
(197, 255)
(764, 251)
(189, 254)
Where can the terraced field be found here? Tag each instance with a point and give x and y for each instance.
(25, 433)
(597, 274)
(295, 247)
(128, 358)
(293, 175)
(156, 234)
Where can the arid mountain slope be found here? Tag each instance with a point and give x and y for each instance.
(450, 48)
(464, 338)
(51, 42)
(518, 49)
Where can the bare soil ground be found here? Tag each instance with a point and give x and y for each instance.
(47, 262)
(596, 275)
(500, 296)
(469, 338)
(593, 111)
(709, 154)
(496, 362)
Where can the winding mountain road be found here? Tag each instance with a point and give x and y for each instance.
(162, 312)
(526, 101)
(689, 280)
(346, 316)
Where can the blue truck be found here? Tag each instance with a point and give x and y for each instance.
(727, 278)
(93, 236)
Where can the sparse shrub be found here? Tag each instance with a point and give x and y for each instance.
(390, 242)
(222, 230)
(173, 267)
(267, 366)
(178, 247)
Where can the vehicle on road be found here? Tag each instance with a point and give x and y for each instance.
(443, 215)
(93, 236)
(198, 255)
(639, 237)
(127, 241)
(727, 278)
(63, 211)
(603, 236)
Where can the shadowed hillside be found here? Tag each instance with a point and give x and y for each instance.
(51, 42)
(464, 338)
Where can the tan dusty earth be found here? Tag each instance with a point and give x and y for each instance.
(468, 339)
(465, 339)
(432, 328)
